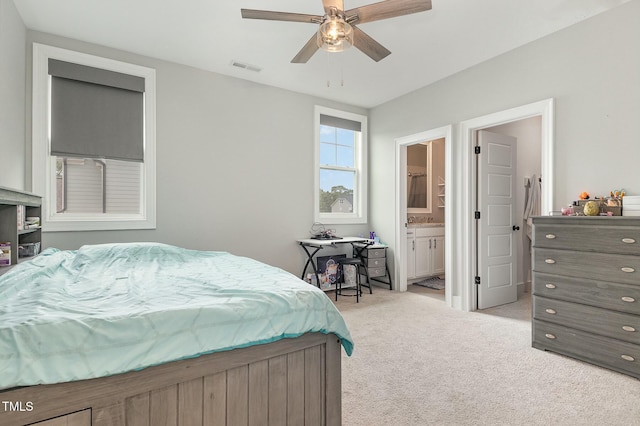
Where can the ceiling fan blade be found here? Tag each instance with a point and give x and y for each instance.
(306, 52)
(387, 9)
(369, 46)
(280, 16)
(328, 4)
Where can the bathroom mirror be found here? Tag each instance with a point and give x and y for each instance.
(419, 178)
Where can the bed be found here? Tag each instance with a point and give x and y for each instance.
(152, 334)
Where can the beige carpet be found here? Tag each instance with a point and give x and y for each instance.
(418, 362)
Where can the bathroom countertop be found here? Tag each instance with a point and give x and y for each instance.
(425, 225)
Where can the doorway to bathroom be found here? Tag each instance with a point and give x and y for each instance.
(422, 246)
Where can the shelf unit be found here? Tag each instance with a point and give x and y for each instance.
(441, 192)
(10, 200)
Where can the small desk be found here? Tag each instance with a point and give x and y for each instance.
(311, 246)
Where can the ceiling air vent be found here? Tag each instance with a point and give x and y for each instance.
(248, 67)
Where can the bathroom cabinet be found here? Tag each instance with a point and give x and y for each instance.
(425, 251)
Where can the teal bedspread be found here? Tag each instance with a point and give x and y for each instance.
(108, 309)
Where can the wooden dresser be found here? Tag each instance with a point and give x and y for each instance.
(586, 289)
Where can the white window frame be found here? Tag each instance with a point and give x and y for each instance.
(43, 164)
(359, 214)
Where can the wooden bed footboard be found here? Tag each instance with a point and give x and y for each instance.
(288, 382)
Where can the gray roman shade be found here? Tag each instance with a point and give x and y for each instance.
(341, 123)
(96, 113)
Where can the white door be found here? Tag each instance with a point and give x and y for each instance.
(496, 197)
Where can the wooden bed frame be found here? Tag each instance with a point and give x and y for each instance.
(287, 382)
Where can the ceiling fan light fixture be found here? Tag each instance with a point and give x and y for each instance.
(339, 27)
(335, 34)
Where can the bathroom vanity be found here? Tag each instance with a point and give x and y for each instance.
(425, 250)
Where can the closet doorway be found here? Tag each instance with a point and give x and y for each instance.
(538, 115)
(526, 197)
(413, 217)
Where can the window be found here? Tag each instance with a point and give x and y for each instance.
(340, 173)
(85, 185)
(93, 141)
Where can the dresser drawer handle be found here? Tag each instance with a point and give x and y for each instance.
(628, 299)
(550, 336)
(627, 269)
(627, 357)
(550, 236)
(550, 311)
(549, 261)
(550, 285)
(628, 240)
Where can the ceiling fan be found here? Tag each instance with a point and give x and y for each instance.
(337, 28)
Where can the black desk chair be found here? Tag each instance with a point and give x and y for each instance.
(357, 263)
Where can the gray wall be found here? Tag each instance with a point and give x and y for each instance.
(12, 100)
(591, 69)
(234, 163)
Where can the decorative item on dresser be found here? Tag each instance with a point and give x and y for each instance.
(586, 289)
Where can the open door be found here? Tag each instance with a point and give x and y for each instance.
(496, 257)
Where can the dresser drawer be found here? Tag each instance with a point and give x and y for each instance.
(620, 297)
(598, 266)
(375, 262)
(376, 272)
(374, 253)
(599, 238)
(606, 352)
(604, 322)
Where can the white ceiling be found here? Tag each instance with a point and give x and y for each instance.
(210, 34)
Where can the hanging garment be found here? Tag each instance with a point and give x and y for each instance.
(532, 204)
(531, 208)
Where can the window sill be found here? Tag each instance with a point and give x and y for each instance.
(329, 220)
(97, 225)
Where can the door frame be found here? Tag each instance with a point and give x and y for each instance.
(401, 203)
(468, 134)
